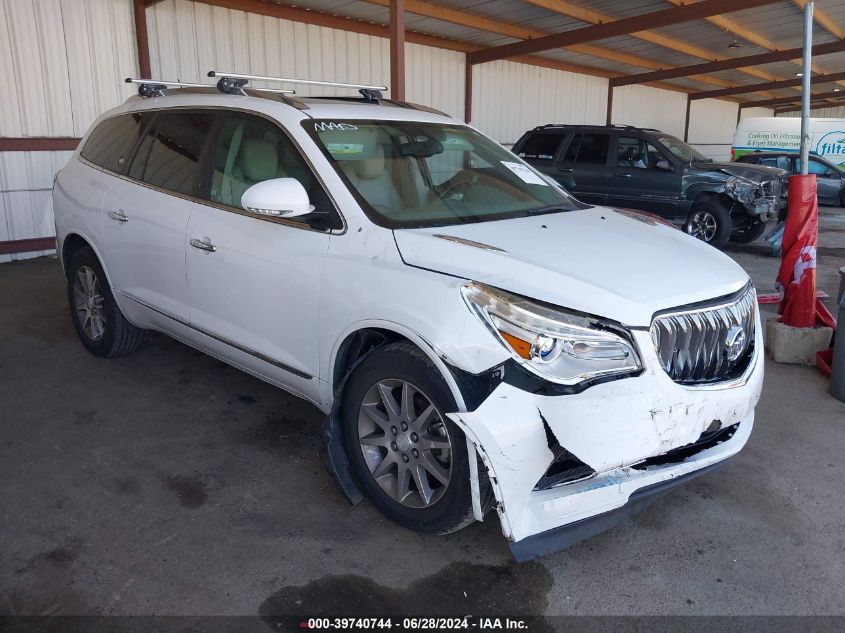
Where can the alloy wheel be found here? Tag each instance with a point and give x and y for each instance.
(405, 443)
(89, 303)
(703, 225)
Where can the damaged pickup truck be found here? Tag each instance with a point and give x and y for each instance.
(481, 342)
(642, 168)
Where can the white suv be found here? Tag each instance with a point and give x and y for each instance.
(477, 337)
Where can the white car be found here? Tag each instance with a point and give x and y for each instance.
(478, 338)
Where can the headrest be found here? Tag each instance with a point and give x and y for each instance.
(372, 167)
(258, 159)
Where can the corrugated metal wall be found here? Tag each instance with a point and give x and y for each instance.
(712, 123)
(62, 61)
(189, 39)
(509, 98)
(645, 106)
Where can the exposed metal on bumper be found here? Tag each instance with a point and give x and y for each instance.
(610, 427)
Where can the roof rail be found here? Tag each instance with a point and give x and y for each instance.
(157, 87)
(236, 81)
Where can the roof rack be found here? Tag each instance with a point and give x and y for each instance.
(236, 81)
(156, 87)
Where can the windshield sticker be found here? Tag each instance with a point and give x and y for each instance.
(525, 175)
(345, 149)
(323, 126)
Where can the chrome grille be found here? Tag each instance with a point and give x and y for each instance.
(694, 345)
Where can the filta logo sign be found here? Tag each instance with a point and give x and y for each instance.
(832, 145)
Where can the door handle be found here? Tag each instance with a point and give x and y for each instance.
(568, 170)
(120, 216)
(622, 175)
(203, 245)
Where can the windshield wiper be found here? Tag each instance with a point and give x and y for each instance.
(555, 208)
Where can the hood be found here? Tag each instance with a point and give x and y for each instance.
(754, 173)
(603, 262)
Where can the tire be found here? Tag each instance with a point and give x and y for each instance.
(842, 198)
(710, 222)
(378, 466)
(99, 323)
(749, 232)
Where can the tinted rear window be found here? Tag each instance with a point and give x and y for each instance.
(541, 146)
(170, 158)
(110, 144)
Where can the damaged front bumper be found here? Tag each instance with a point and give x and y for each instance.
(764, 200)
(617, 430)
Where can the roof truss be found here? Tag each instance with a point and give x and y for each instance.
(656, 19)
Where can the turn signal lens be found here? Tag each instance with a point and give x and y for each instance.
(522, 348)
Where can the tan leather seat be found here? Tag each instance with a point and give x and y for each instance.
(257, 161)
(373, 181)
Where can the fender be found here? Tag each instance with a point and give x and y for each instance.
(402, 330)
(332, 448)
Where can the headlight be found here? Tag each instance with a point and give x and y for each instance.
(556, 345)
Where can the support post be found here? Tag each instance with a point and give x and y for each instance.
(467, 91)
(397, 50)
(806, 69)
(686, 120)
(141, 40)
(609, 117)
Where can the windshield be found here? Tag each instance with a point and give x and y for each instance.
(681, 150)
(408, 174)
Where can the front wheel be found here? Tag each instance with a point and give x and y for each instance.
(409, 457)
(710, 222)
(100, 324)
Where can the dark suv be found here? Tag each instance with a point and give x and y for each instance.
(830, 179)
(643, 168)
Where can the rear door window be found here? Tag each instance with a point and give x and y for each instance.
(110, 145)
(169, 156)
(541, 146)
(781, 162)
(589, 148)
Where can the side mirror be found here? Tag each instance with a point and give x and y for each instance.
(279, 197)
(663, 164)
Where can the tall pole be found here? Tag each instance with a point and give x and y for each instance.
(805, 88)
(397, 50)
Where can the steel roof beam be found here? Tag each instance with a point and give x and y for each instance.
(771, 85)
(728, 64)
(768, 103)
(646, 21)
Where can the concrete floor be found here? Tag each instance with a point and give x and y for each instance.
(168, 483)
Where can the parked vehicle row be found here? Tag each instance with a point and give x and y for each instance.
(478, 338)
(647, 169)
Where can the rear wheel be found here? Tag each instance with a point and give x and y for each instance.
(842, 198)
(409, 457)
(99, 323)
(748, 232)
(710, 222)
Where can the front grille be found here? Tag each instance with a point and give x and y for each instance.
(707, 343)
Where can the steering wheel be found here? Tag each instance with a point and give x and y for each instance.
(459, 183)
